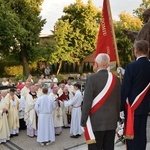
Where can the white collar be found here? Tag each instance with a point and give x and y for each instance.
(140, 57)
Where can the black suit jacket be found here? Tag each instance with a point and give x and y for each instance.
(136, 78)
(106, 117)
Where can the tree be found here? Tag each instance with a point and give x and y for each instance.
(139, 11)
(126, 22)
(24, 25)
(8, 27)
(79, 28)
(63, 50)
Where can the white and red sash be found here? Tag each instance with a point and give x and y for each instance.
(129, 127)
(98, 101)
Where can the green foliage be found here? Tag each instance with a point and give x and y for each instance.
(13, 70)
(126, 22)
(63, 51)
(31, 24)
(8, 27)
(143, 6)
(129, 22)
(20, 25)
(45, 50)
(19, 76)
(76, 32)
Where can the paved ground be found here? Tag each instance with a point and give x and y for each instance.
(63, 142)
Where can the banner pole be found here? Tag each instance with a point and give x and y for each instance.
(113, 33)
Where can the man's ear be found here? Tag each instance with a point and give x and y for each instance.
(135, 52)
(95, 66)
(108, 65)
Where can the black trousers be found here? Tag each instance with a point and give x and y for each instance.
(22, 124)
(104, 140)
(140, 140)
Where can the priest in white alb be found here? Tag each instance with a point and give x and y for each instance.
(25, 90)
(57, 113)
(12, 102)
(4, 128)
(30, 114)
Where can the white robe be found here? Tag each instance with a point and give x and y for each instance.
(76, 113)
(66, 111)
(30, 115)
(21, 107)
(4, 128)
(57, 113)
(70, 88)
(44, 107)
(25, 91)
(39, 92)
(13, 113)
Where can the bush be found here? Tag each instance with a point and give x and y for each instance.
(13, 70)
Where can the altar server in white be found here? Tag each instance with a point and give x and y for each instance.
(76, 101)
(44, 107)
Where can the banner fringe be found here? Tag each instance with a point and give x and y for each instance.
(91, 141)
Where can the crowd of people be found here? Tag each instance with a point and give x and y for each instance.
(43, 109)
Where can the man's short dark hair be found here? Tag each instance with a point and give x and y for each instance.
(78, 85)
(12, 90)
(142, 46)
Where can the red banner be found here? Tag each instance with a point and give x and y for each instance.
(105, 42)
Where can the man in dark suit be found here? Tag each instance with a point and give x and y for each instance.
(104, 119)
(135, 80)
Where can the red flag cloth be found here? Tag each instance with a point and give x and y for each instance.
(105, 42)
(129, 127)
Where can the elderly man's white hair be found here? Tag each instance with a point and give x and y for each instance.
(102, 59)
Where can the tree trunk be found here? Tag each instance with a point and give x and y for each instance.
(80, 64)
(24, 62)
(59, 67)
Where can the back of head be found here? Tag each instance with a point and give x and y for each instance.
(45, 90)
(78, 85)
(102, 60)
(141, 47)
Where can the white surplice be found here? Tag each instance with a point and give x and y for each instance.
(25, 91)
(21, 107)
(44, 107)
(57, 114)
(76, 113)
(39, 92)
(21, 113)
(30, 116)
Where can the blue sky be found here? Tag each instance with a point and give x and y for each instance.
(53, 9)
